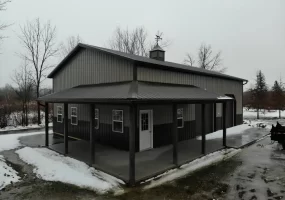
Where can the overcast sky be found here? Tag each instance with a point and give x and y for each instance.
(250, 33)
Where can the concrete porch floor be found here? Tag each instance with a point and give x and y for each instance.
(148, 163)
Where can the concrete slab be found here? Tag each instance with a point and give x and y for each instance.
(148, 163)
(249, 135)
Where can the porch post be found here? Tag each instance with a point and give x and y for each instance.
(174, 134)
(46, 124)
(92, 132)
(132, 145)
(65, 120)
(224, 124)
(215, 117)
(203, 129)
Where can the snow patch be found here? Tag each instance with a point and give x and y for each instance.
(7, 174)
(51, 166)
(224, 97)
(236, 130)
(184, 170)
(11, 141)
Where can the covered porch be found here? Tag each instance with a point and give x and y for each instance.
(133, 165)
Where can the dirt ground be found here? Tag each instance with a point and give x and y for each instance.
(257, 172)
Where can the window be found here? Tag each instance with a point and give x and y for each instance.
(180, 121)
(96, 118)
(144, 122)
(59, 114)
(118, 125)
(73, 115)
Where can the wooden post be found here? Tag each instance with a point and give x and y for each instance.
(174, 134)
(132, 145)
(46, 124)
(92, 134)
(203, 129)
(65, 120)
(215, 117)
(224, 124)
(235, 112)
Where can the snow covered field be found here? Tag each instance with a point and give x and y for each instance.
(13, 128)
(205, 161)
(7, 174)
(51, 166)
(252, 114)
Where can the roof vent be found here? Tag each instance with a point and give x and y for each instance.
(157, 53)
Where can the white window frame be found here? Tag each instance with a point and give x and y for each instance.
(118, 121)
(98, 117)
(57, 114)
(180, 118)
(74, 116)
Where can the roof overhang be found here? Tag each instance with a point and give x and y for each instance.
(134, 91)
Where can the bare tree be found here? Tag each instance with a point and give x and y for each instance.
(67, 46)
(3, 26)
(24, 90)
(39, 42)
(189, 60)
(207, 59)
(133, 42)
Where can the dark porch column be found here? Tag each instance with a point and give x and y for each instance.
(132, 145)
(46, 124)
(92, 134)
(174, 134)
(224, 124)
(215, 117)
(65, 120)
(203, 129)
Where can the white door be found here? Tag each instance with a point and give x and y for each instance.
(146, 135)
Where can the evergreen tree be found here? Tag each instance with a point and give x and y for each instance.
(277, 96)
(259, 92)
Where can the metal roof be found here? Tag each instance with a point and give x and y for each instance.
(132, 90)
(144, 60)
(157, 48)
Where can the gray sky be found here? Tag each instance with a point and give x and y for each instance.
(250, 34)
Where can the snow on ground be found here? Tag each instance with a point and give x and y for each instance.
(11, 141)
(14, 128)
(252, 114)
(184, 170)
(230, 131)
(7, 174)
(51, 166)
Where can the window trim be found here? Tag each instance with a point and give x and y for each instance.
(180, 118)
(118, 121)
(98, 118)
(73, 116)
(57, 114)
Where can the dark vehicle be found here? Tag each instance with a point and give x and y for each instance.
(278, 134)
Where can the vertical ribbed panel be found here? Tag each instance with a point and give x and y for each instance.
(214, 84)
(92, 67)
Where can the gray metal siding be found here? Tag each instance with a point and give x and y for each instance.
(105, 112)
(162, 114)
(92, 67)
(213, 84)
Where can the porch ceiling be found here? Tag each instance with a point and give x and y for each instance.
(133, 91)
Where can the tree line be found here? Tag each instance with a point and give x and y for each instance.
(38, 39)
(260, 96)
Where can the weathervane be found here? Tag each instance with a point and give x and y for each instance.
(158, 37)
